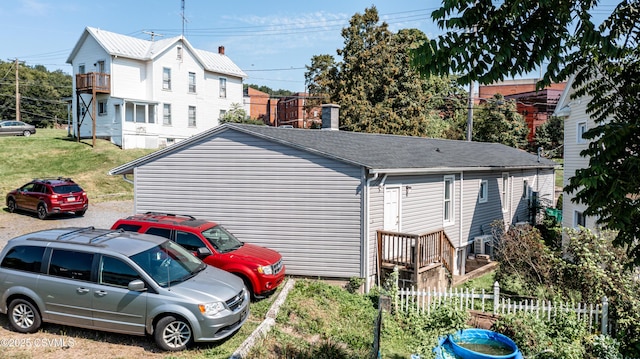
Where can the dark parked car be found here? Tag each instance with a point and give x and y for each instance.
(16, 128)
(47, 196)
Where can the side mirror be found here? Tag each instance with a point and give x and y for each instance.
(136, 286)
(204, 252)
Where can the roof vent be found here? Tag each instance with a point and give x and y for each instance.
(221, 50)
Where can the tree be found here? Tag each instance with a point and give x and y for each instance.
(550, 136)
(269, 90)
(237, 114)
(41, 94)
(498, 121)
(377, 89)
(487, 41)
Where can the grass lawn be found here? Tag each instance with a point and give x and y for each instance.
(50, 153)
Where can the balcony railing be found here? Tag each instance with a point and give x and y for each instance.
(415, 252)
(93, 81)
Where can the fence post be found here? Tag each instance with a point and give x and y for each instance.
(496, 296)
(605, 316)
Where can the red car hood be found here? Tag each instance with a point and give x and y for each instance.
(257, 254)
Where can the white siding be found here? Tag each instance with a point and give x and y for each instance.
(305, 206)
(572, 159)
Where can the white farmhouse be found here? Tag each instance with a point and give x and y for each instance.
(148, 94)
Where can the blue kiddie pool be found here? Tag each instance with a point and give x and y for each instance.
(477, 344)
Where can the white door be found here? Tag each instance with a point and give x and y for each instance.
(392, 209)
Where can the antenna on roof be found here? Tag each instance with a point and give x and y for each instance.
(183, 18)
(152, 34)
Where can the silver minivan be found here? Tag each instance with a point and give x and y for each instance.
(121, 282)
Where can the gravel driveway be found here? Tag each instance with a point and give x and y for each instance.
(99, 215)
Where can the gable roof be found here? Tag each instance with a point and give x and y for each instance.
(145, 50)
(376, 152)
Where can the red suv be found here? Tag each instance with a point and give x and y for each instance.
(260, 268)
(49, 195)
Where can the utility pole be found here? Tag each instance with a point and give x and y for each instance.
(470, 112)
(17, 92)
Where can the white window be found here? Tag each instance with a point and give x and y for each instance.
(102, 108)
(81, 69)
(223, 88)
(192, 116)
(166, 78)
(100, 66)
(152, 113)
(449, 195)
(222, 113)
(582, 128)
(166, 114)
(483, 196)
(179, 53)
(192, 82)
(579, 219)
(505, 192)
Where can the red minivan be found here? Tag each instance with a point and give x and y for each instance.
(260, 268)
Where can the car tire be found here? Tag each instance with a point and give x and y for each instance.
(26, 133)
(247, 283)
(11, 205)
(81, 213)
(24, 316)
(42, 211)
(172, 334)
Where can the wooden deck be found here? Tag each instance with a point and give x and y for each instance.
(415, 255)
(93, 81)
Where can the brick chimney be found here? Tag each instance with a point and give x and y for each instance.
(330, 114)
(221, 50)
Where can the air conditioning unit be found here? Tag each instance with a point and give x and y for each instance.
(483, 244)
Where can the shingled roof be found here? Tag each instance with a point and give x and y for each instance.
(378, 152)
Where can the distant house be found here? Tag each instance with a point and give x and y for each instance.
(148, 94)
(576, 123)
(293, 111)
(534, 105)
(320, 196)
(262, 106)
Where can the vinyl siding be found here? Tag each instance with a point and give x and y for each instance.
(305, 206)
(572, 159)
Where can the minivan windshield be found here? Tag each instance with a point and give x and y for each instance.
(168, 263)
(221, 239)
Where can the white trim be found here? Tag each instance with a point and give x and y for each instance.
(504, 192)
(579, 138)
(452, 194)
(384, 209)
(483, 195)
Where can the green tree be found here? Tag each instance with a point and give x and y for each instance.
(269, 90)
(41, 94)
(488, 41)
(237, 114)
(377, 89)
(550, 136)
(498, 121)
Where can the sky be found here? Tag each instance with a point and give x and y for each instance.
(271, 41)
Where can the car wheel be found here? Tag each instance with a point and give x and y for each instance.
(81, 213)
(11, 205)
(26, 133)
(23, 316)
(42, 211)
(172, 334)
(247, 283)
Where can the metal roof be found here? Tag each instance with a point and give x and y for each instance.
(144, 50)
(376, 152)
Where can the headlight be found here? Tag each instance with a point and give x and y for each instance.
(211, 308)
(265, 270)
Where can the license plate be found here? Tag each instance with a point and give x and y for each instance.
(71, 199)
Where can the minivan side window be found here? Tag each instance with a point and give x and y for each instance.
(71, 264)
(115, 272)
(26, 258)
(162, 232)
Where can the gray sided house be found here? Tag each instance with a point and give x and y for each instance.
(320, 196)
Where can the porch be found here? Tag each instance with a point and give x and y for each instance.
(423, 260)
(93, 82)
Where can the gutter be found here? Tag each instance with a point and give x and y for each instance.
(417, 171)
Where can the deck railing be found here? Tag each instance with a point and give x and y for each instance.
(415, 252)
(100, 82)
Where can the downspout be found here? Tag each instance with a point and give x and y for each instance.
(461, 219)
(124, 177)
(367, 285)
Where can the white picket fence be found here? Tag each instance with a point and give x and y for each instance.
(596, 315)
